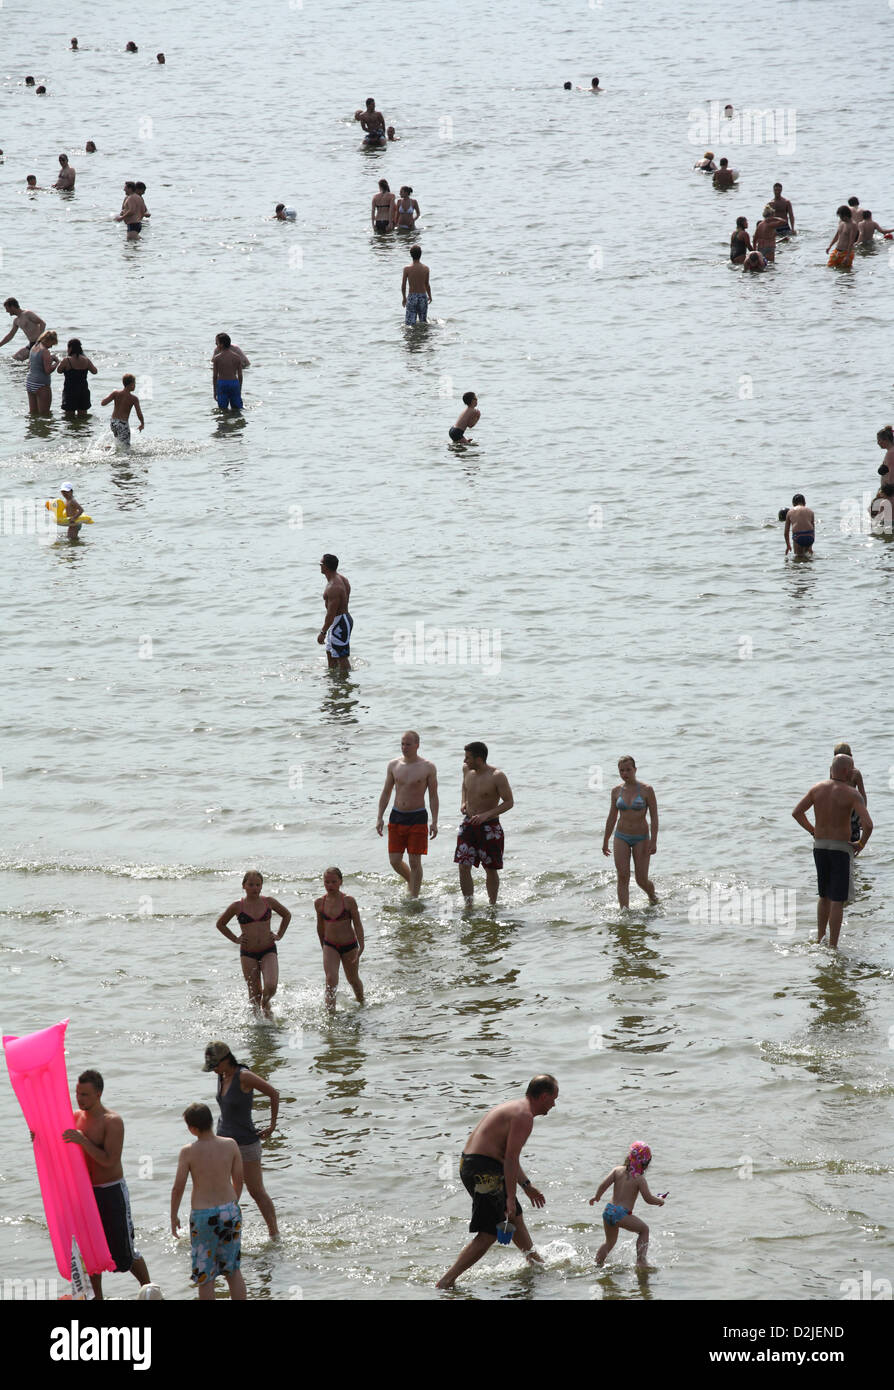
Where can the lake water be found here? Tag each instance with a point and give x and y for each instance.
(168, 720)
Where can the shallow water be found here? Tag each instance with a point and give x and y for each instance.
(168, 719)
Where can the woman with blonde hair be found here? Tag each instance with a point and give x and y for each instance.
(39, 381)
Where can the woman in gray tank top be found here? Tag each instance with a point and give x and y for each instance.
(41, 365)
(235, 1085)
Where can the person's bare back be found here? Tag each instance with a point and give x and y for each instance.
(490, 1135)
(833, 801)
(214, 1164)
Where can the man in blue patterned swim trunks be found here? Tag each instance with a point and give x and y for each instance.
(486, 796)
(416, 289)
(215, 1221)
(338, 623)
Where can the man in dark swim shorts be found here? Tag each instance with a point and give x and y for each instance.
(834, 801)
(491, 1170)
(487, 795)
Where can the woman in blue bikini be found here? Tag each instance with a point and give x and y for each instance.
(631, 802)
(341, 936)
(257, 944)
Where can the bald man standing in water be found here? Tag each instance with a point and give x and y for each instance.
(491, 1170)
(409, 776)
(834, 801)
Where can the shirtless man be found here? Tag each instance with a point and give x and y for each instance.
(215, 1221)
(31, 324)
(781, 206)
(125, 402)
(842, 258)
(724, 177)
(100, 1133)
(466, 419)
(867, 227)
(765, 233)
(834, 802)
(338, 623)
(800, 525)
(409, 776)
(132, 211)
(491, 1170)
(66, 179)
(486, 795)
(373, 122)
(415, 289)
(226, 373)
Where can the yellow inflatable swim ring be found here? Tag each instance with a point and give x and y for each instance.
(62, 519)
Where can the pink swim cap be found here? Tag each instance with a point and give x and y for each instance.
(640, 1154)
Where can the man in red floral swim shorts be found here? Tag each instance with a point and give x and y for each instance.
(486, 795)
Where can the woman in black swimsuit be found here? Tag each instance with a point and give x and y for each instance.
(74, 367)
(257, 944)
(739, 242)
(341, 936)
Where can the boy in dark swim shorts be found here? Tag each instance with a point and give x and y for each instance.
(468, 417)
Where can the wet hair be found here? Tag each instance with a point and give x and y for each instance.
(567, 86)
(799, 500)
(595, 82)
(844, 212)
(724, 162)
(370, 101)
(31, 180)
(140, 187)
(29, 81)
(91, 1078)
(783, 513)
(843, 748)
(416, 252)
(627, 759)
(128, 380)
(129, 186)
(14, 303)
(40, 91)
(90, 147)
(866, 214)
(333, 870)
(198, 1116)
(478, 750)
(331, 562)
(280, 207)
(224, 339)
(777, 185)
(63, 159)
(741, 221)
(887, 489)
(544, 1084)
(886, 432)
(131, 47)
(159, 57)
(383, 184)
(853, 202)
(74, 348)
(468, 397)
(252, 872)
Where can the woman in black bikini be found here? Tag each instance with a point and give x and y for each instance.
(257, 944)
(341, 936)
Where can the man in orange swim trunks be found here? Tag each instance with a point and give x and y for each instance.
(409, 776)
(843, 240)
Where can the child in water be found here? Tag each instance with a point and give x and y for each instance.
(341, 936)
(629, 1183)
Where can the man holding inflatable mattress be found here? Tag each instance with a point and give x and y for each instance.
(100, 1133)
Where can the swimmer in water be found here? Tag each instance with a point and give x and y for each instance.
(885, 440)
(629, 1182)
(90, 147)
(867, 227)
(728, 111)
(73, 510)
(66, 179)
(31, 181)
(382, 213)
(284, 214)
(125, 402)
(406, 210)
(706, 164)
(466, 419)
(130, 47)
(724, 177)
(74, 45)
(391, 133)
(782, 208)
(373, 122)
(631, 802)
(800, 524)
(842, 258)
(754, 261)
(834, 801)
(856, 780)
(257, 944)
(740, 242)
(160, 58)
(765, 233)
(341, 936)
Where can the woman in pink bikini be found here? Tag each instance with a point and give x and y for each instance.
(257, 944)
(341, 936)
